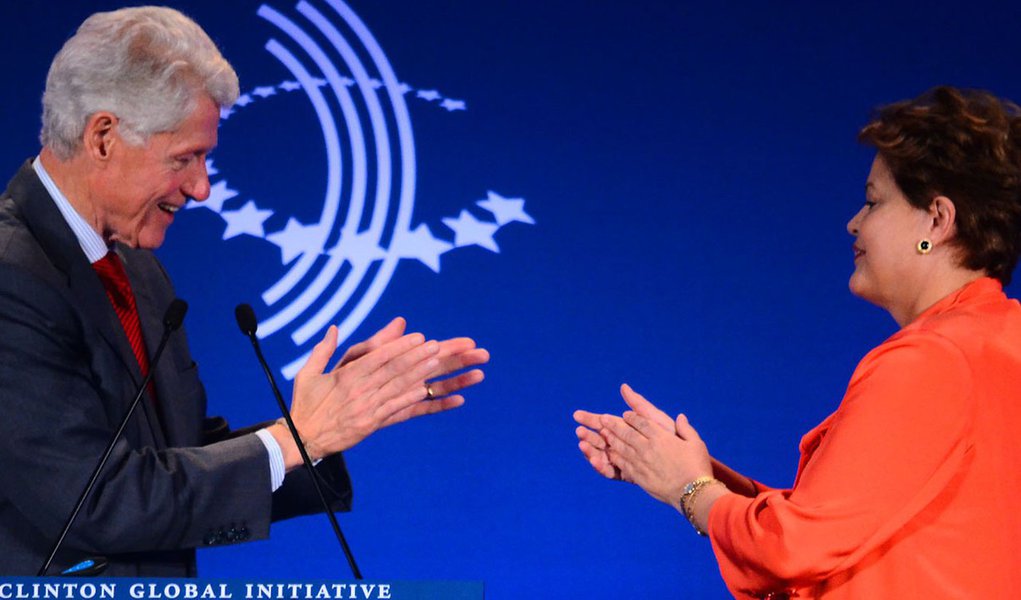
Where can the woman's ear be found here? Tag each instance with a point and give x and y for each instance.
(943, 220)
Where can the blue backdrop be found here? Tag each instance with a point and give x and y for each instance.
(649, 192)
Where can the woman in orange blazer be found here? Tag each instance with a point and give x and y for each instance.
(912, 488)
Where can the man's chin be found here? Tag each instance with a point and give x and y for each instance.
(147, 239)
(150, 243)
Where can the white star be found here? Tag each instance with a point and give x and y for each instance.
(218, 194)
(210, 169)
(375, 83)
(359, 249)
(506, 210)
(244, 100)
(422, 245)
(264, 91)
(347, 81)
(297, 239)
(404, 88)
(225, 112)
(468, 230)
(452, 105)
(429, 95)
(289, 86)
(248, 219)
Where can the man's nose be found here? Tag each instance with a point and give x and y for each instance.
(196, 186)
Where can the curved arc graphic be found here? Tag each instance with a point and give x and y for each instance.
(358, 189)
(384, 172)
(407, 189)
(333, 161)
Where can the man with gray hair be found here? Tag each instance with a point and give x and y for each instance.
(130, 113)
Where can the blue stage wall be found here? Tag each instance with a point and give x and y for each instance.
(598, 192)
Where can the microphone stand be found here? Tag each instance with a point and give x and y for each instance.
(248, 324)
(172, 320)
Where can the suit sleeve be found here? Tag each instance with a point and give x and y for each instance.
(296, 496)
(897, 441)
(57, 421)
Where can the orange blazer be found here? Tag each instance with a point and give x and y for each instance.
(912, 488)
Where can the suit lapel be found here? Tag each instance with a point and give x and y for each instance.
(150, 316)
(56, 239)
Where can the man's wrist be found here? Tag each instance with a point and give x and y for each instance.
(289, 450)
(277, 470)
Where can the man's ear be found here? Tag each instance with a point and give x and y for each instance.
(100, 136)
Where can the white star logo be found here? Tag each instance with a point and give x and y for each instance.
(422, 245)
(297, 239)
(451, 105)
(359, 249)
(248, 219)
(468, 230)
(429, 95)
(290, 86)
(264, 91)
(506, 210)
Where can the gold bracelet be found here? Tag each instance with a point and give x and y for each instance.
(687, 501)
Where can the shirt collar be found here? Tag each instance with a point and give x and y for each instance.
(91, 242)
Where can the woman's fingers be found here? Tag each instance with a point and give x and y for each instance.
(685, 430)
(640, 405)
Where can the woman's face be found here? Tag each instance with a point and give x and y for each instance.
(888, 269)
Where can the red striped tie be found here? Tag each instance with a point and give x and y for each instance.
(115, 279)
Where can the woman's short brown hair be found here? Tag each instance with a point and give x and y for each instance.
(965, 145)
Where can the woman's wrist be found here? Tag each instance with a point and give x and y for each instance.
(696, 500)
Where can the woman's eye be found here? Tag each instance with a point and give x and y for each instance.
(869, 203)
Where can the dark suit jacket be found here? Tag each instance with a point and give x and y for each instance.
(176, 480)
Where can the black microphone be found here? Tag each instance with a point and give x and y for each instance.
(172, 320)
(249, 324)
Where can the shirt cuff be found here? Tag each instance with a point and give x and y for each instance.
(276, 458)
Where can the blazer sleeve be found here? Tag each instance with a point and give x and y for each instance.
(897, 441)
(297, 495)
(56, 422)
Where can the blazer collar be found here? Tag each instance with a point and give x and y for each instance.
(48, 227)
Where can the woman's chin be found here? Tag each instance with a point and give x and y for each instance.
(859, 287)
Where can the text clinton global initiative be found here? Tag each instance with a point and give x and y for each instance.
(194, 591)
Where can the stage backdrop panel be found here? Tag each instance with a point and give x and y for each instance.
(598, 192)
